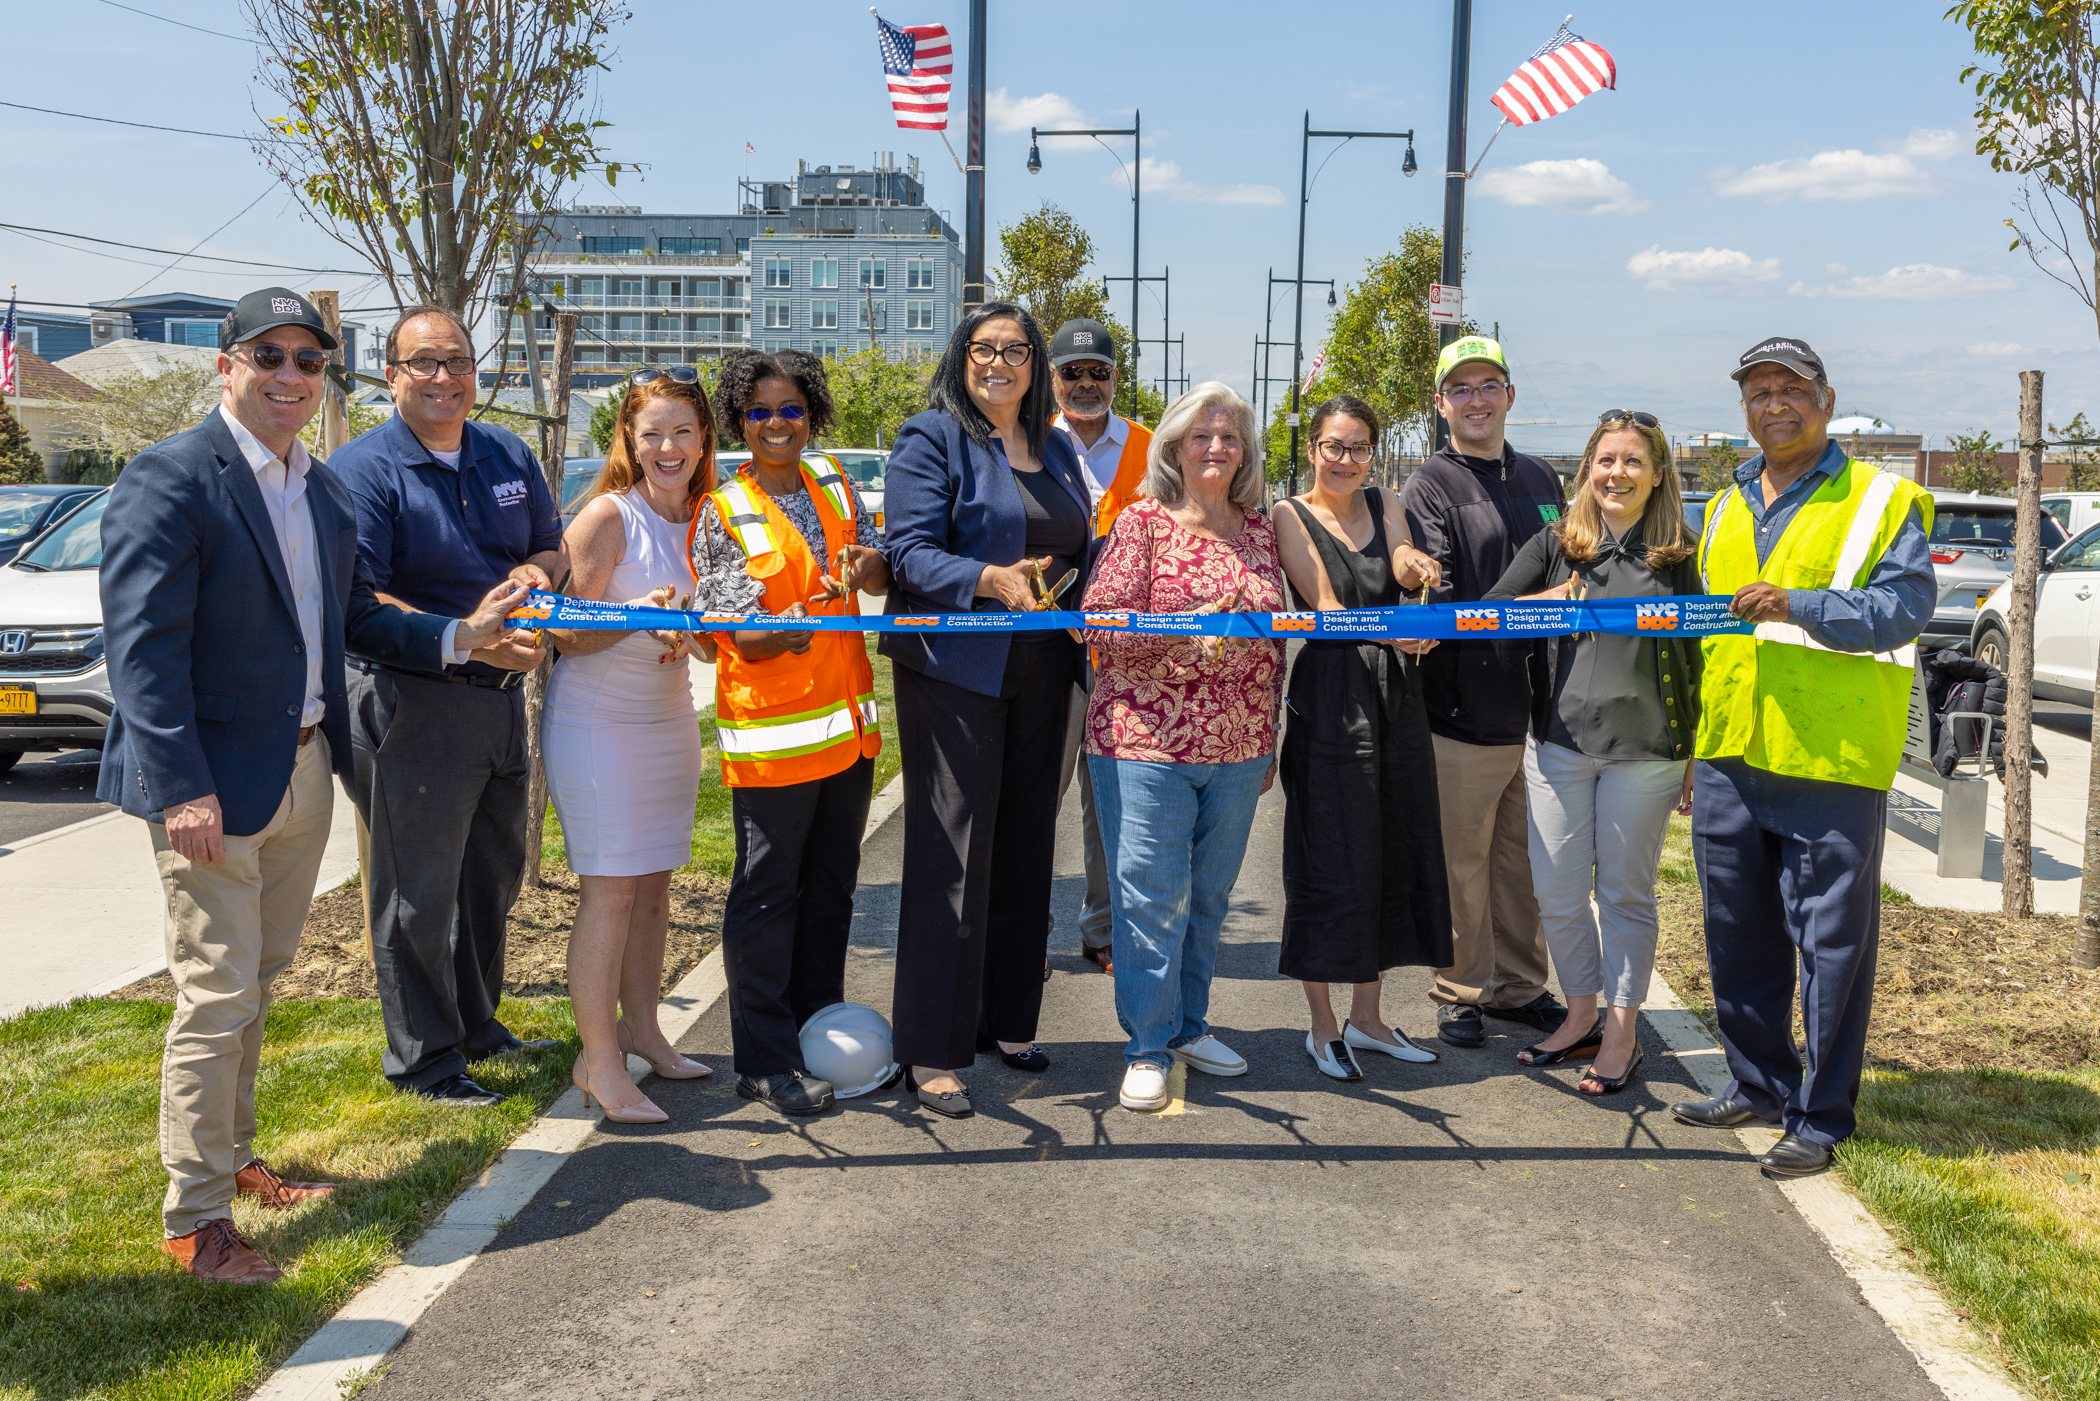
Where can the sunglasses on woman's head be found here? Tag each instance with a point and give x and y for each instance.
(793, 413)
(1099, 374)
(677, 374)
(1646, 420)
(270, 359)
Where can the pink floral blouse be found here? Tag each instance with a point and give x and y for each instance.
(1173, 699)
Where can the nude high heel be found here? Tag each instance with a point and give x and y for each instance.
(679, 1067)
(644, 1113)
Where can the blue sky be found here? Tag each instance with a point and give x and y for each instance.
(1807, 169)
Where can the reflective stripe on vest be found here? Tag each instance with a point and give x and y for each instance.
(789, 736)
(744, 518)
(831, 480)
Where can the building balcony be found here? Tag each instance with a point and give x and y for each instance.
(653, 303)
(652, 260)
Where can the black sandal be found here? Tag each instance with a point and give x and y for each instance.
(1589, 1045)
(1611, 1087)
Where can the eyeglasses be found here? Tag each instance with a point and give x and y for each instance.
(677, 374)
(427, 366)
(984, 352)
(1333, 451)
(793, 413)
(1493, 390)
(1646, 420)
(270, 359)
(1099, 374)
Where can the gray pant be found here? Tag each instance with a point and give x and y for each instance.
(1095, 926)
(441, 775)
(1599, 823)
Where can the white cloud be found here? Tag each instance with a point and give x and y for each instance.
(1706, 270)
(1996, 350)
(1575, 186)
(1837, 269)
(1846, 174)
(1913, 282)
(1007, 113)
(1165, 178)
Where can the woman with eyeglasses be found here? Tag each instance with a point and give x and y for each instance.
(795, 720)
(621, 750)
(1363, 851)
(1612, 721)
(987, 512)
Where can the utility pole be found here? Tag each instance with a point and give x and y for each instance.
(1454, 183)
(973, 175)
(2017, 889)
(554, 450)
(335, 419)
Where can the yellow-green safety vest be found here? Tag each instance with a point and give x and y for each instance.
(1780, 700)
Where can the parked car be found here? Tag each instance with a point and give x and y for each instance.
(2064, 633)
(577, 474)
(2074, 510)
(54, 683)
(26, 510)
(1972, 554)
(864, 468)
(1695, 507)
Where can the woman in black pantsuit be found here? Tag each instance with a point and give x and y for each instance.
(1363, 850)
(982, 502)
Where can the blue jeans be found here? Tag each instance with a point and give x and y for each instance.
(1174, 835)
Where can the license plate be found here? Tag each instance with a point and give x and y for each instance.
(1980, 598)
(17, 700)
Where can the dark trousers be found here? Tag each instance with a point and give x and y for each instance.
(790, 910)
(1791, 871)
(980, 823)
(441, 775)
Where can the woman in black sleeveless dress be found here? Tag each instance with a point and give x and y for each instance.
(1363, 849)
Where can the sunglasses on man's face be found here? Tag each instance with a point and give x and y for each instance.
(793, 413)
(1099, 374)
(270, 359)
(1646, 420)
(677, 374)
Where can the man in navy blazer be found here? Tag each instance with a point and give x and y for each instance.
(229, 582)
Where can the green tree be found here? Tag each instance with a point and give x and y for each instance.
(425, 135)
(20, 464)
(875, 392)
(2081, 469)
(604, 417)
(131, 412)
(1717, 468)
(1381, 344)
(1044, 261)
(1975, 466)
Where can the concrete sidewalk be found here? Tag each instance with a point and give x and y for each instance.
(1912, 853)
(1466, 1228)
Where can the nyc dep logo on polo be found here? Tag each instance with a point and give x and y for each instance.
(1477, 619)
(1655, 617)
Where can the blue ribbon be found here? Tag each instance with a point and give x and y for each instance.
(1688, 615)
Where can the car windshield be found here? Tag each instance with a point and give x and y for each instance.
(19, 510)
(862, 468)
(1965, 527)
(575, 481)
(75, 543)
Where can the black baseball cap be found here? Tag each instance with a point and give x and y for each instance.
(1788, 352)
(1082, 339)
(268, 309)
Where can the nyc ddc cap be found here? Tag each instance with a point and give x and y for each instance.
(268, 309)
(1081, 339)
(1465, 350)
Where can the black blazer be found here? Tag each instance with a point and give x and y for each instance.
(950, 507)
(207, 665)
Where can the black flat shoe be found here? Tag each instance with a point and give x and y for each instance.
(1031, 1060)
(1587, 1046)
(461, 1093)
(1720, 1112)
(1459, 1024)
(1611, 1087)
(1543, 1012)
(792, 1093)
(1794, 1156)
(951, 1104)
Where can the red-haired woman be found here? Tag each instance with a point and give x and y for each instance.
(622, 747)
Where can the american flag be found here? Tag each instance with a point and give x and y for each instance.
(749, 149)
(917, 60)
(1319, 363)
(7, 350)
(1568, 69)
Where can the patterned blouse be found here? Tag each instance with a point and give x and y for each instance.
(724, 585)
(1170, 699)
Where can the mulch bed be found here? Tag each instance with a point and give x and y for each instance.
(332, 961)
(1953, 989)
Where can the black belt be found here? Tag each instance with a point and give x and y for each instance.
(488, 681)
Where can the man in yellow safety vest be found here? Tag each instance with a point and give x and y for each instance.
(1800, 728)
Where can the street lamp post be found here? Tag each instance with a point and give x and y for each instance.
(1166, 329)
(1268, 328)
(1137, 167)
(1454, 186)
(1407, 167)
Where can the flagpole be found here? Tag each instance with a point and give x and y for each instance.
(1455, 182)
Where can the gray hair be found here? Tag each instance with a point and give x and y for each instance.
(1163, 480)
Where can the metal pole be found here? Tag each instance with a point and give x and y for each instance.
(1455, 179)
(1137, 176)
(973, 177)
(1298, 312)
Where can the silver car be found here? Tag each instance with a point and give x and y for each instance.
(2065, 639)
(54, 683)
(1972, 554)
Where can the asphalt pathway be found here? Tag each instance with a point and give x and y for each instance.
(1456, 1230)
(45, 791)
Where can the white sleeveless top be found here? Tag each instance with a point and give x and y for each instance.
(654, 558)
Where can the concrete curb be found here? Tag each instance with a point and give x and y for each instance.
(375, 1321)
(1951, 1353)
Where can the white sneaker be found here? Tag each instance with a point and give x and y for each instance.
(1333, 1059)
(1211, 1056)
(1399, 1048)
(1144, 1086)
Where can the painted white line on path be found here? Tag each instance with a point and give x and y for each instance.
(373, 1323)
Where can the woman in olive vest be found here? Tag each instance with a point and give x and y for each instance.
(794, 713)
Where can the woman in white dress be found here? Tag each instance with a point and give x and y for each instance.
(620, 737)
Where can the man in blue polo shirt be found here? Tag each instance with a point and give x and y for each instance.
(446, 508)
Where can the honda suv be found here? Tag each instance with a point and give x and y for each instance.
(54, 685)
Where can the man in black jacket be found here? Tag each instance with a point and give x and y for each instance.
(1473, 506)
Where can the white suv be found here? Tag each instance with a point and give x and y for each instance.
(54, 684)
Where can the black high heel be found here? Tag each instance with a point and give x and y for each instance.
(1536, 1054)
(1611, 1087)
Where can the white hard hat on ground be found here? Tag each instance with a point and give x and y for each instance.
(848, 1043)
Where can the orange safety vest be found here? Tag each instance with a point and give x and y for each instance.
(791, 719)
(1130, 475)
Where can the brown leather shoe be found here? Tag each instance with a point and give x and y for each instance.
(260, 1181)
(217, 1251)
(1103, 957)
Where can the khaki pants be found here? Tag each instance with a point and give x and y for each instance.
(1498, 948)
(231, 929)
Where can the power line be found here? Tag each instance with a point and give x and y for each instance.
(178, 23)
(176, 253)
(143, 126)
(204, 240)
